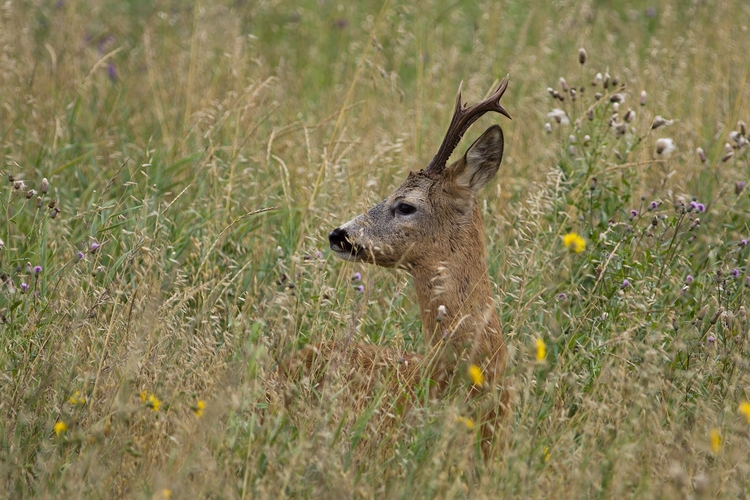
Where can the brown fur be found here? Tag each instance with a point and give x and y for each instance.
(441, 244)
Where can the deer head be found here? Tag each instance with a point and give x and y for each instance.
(431, 227)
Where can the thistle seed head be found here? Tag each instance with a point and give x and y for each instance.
(582, 56)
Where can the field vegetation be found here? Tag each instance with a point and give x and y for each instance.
(171, 171)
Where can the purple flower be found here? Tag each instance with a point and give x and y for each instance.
(37, 270)
(24, 287)
(318, 254)
(743, 242)
(693, 206)
(701, 207)
(735, 273)
(653, 205)
(711, 339)
(689, 280)
(360, 288)
(80, 255)
(94, 247)
(625, 283)
(562, 297)
(739, 187)
(112, 71)
(747, 281)
(356, 277)
(633, 214)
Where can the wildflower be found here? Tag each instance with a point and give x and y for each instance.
(45, 185)
(441, 312)
(715, 439)
(562, 297)
(545, 454)
(711, 340)
(469, 423)
(630, 115)
(625, 283)
(617, 98)
(150, 400)
(665, 146)
(745, 410)
(476, 375)
(633, 214)
(701, 154)
(541, 350)
(360, 288)
(80, 256)
(689, 280)
(582, 55)
(112, 71)
(166, 494)
(60, 428)
(728, 156)
(559, 116)
(548, 128)
(653, 205)
(743, 243)
(574, 242)
(24, 287)
(37, 270)
(200, 405)
(739, 187)
(19, 185)
(735, 273)
(643, 97)
(564, 84)
(586, 139)
(356, 277)
(605, 83)
(77, 399)
(660, 121)
(318, 254)
(701, 207)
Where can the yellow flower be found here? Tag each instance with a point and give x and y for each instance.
(545, 453)
(745, 410)
(163, 494)
(153, 403)
(77, 399)
(477, 378)
(541, 350)
(469, 423)
(574, 242)
(715, 439)
(60, 428)
(144, 396)
(199, 407)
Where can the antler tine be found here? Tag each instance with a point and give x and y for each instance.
(463, 118)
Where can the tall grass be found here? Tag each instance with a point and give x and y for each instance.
(196, 157)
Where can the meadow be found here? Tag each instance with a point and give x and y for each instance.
(171, 171)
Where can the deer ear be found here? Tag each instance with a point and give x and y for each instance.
(481, 161)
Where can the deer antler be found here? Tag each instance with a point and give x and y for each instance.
(463, 118)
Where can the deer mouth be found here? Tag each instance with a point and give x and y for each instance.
(343, 247)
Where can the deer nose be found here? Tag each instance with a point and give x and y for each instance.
(338, 241)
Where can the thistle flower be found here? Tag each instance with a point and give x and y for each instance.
(617, 98)
(701, 154)
(597, 80)
(37, 270)
(689, 280)
(739, 187)
(360, 288)
(80, 256)
(727, 156)
(735, 273)
(574, 242)
(541, 350)
(95, 246)
(559, 116)
(660, 121)
(60, 428)
(45, 186)
(743, 242)
(476, 375)
(633, 214)
(665, 146)
(548, 128)
(441, 312)
(605, 83)
(24, 287)
(564, 84)
(562, 297)
(630, 115)
(715, 440)
(653, 205)
(643, 97)
(356, 277)
(744, 409)
(625, 283)
(582, 56)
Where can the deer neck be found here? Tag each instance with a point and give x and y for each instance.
(461, 284)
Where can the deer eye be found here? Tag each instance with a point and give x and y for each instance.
(405, 209)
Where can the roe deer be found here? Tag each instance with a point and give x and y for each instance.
(431, 227)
